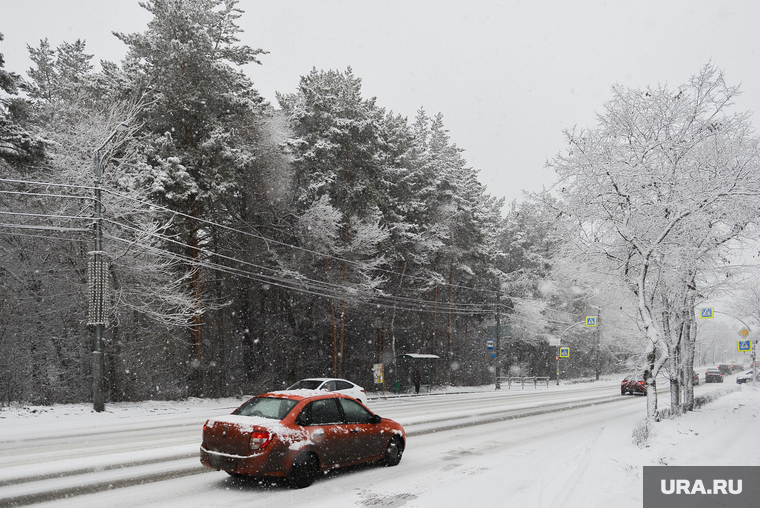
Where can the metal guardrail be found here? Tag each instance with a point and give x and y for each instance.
(523, 380)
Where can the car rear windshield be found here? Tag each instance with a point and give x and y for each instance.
(306, 384)
(266, 407)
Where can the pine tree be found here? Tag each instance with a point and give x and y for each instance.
(201, 121)
(17, 144)
(337, 161)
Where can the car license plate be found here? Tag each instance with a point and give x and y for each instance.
(223, 463)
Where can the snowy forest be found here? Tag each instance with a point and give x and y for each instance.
(239, 246)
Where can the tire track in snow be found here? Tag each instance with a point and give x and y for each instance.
(569, 486)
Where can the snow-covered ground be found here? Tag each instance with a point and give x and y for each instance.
(578, 458)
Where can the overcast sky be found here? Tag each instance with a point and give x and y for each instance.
(507, 75)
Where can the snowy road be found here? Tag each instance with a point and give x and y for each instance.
(510, 441)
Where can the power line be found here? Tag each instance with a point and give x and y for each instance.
(44, 216)
(331, 289)
(314, 283)
(48, 184)
(155, 207)
(294, 284)
(284, 244)
(46, 195)
(68, 239)
(44, 228)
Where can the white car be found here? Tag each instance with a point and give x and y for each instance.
(746, 377)
(331, 384)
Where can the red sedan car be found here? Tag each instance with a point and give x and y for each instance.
(297, 434)
(633, 384)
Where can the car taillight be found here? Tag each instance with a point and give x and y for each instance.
(203, 434)
(259, 440)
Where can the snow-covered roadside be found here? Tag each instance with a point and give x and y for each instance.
(720, 433)
(723, 432)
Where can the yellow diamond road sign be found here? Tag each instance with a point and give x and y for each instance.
(743, 332)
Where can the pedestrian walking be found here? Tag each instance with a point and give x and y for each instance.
(416, 378)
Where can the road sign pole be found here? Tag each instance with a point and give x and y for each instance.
(559, 346)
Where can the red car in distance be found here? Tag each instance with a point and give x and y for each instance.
(633, 384)
(297, 434)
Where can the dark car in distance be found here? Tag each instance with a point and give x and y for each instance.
(633, 384)
(298, 434)
(724, 369)
(713, 375)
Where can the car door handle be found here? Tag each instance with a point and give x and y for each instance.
(355, 431)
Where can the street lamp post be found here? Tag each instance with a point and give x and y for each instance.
(98, 282)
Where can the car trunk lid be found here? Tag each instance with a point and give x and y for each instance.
(231, 435)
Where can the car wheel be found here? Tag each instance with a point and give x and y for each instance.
(393, 452)
(303, 471)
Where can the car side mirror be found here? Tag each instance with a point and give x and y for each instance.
(377, 419)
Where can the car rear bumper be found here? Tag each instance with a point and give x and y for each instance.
(263, 464)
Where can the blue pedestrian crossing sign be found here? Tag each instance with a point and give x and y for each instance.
(564, 352)
(744, 345)
(590, 321)
(707, 313)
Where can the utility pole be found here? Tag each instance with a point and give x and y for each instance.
(97, 275)
(498, 335)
